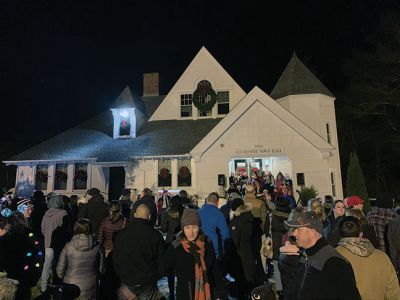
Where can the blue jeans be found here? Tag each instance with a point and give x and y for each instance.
(47, 268)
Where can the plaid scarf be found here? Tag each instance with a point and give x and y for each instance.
(202, 287)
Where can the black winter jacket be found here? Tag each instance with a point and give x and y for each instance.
(95, 210)
(327, 275)
(242, 232)
(136, 254)
(182, 263)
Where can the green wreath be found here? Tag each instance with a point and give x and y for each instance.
(207, 105)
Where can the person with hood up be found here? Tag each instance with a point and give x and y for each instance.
(95, 210)
(51, 220)
(375, 275)
(78, 260)
(242, 228)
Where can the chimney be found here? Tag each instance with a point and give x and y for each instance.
(151, 84)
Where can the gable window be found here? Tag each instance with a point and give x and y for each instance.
(41, 176)
(61, 177)
(223, 102)
(184, 172)
(186, 105)
(333, 182)
(164, 173)
(80, 177)
(328, 133)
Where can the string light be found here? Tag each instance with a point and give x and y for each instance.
(29, 254)
(26, 267)
(36, 243)
(37, 265)
(40, 253)
(31, 234)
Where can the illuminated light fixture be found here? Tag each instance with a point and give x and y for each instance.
(37, 265)
(124, 114)
(29, 254)
(36, 243)
(31, 234)
(40, 253)
(26, 267)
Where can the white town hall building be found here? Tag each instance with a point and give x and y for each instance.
(194, 137)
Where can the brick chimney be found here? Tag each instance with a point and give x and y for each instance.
(151, 84)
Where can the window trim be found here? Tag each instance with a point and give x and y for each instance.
(228, 102)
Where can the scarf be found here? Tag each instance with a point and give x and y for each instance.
(202, 287)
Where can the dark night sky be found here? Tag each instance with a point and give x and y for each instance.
(62, 62)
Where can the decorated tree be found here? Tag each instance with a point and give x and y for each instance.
(355, 183)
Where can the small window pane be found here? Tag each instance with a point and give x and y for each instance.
(186, 105)
(223, 102)
(80, 177)
(164, 173)
(41, 177)
(61, 177)
(223, 108)
(184, 172)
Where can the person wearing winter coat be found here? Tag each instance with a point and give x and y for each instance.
(78, 263)
(278, 229)
(95, 210)
(51, 220)
(375, 276)
(137, 252)
(192, 258)
(242, 230)
(171, 223)
(393, 234)
(111, 225)
(20, 254)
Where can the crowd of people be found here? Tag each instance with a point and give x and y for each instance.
(253, 241)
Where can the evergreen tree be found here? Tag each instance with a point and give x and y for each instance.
(355, 183)
(370, 114)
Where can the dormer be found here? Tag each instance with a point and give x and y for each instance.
(129, 114)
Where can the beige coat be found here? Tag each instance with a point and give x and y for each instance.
(374, 272)
(258, 208)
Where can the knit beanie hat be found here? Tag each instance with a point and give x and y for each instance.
(236, 203)
(190, 217)
(23, 205)
(55, 202)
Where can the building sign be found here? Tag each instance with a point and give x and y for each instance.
(260, 151)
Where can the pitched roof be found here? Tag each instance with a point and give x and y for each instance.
(172, 137)
(128, 99)
(297, 79)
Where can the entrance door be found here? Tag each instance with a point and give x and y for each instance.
(117, 182)
(241, 163)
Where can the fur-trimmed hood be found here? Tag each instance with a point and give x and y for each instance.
(242, 209)
(358, 246)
